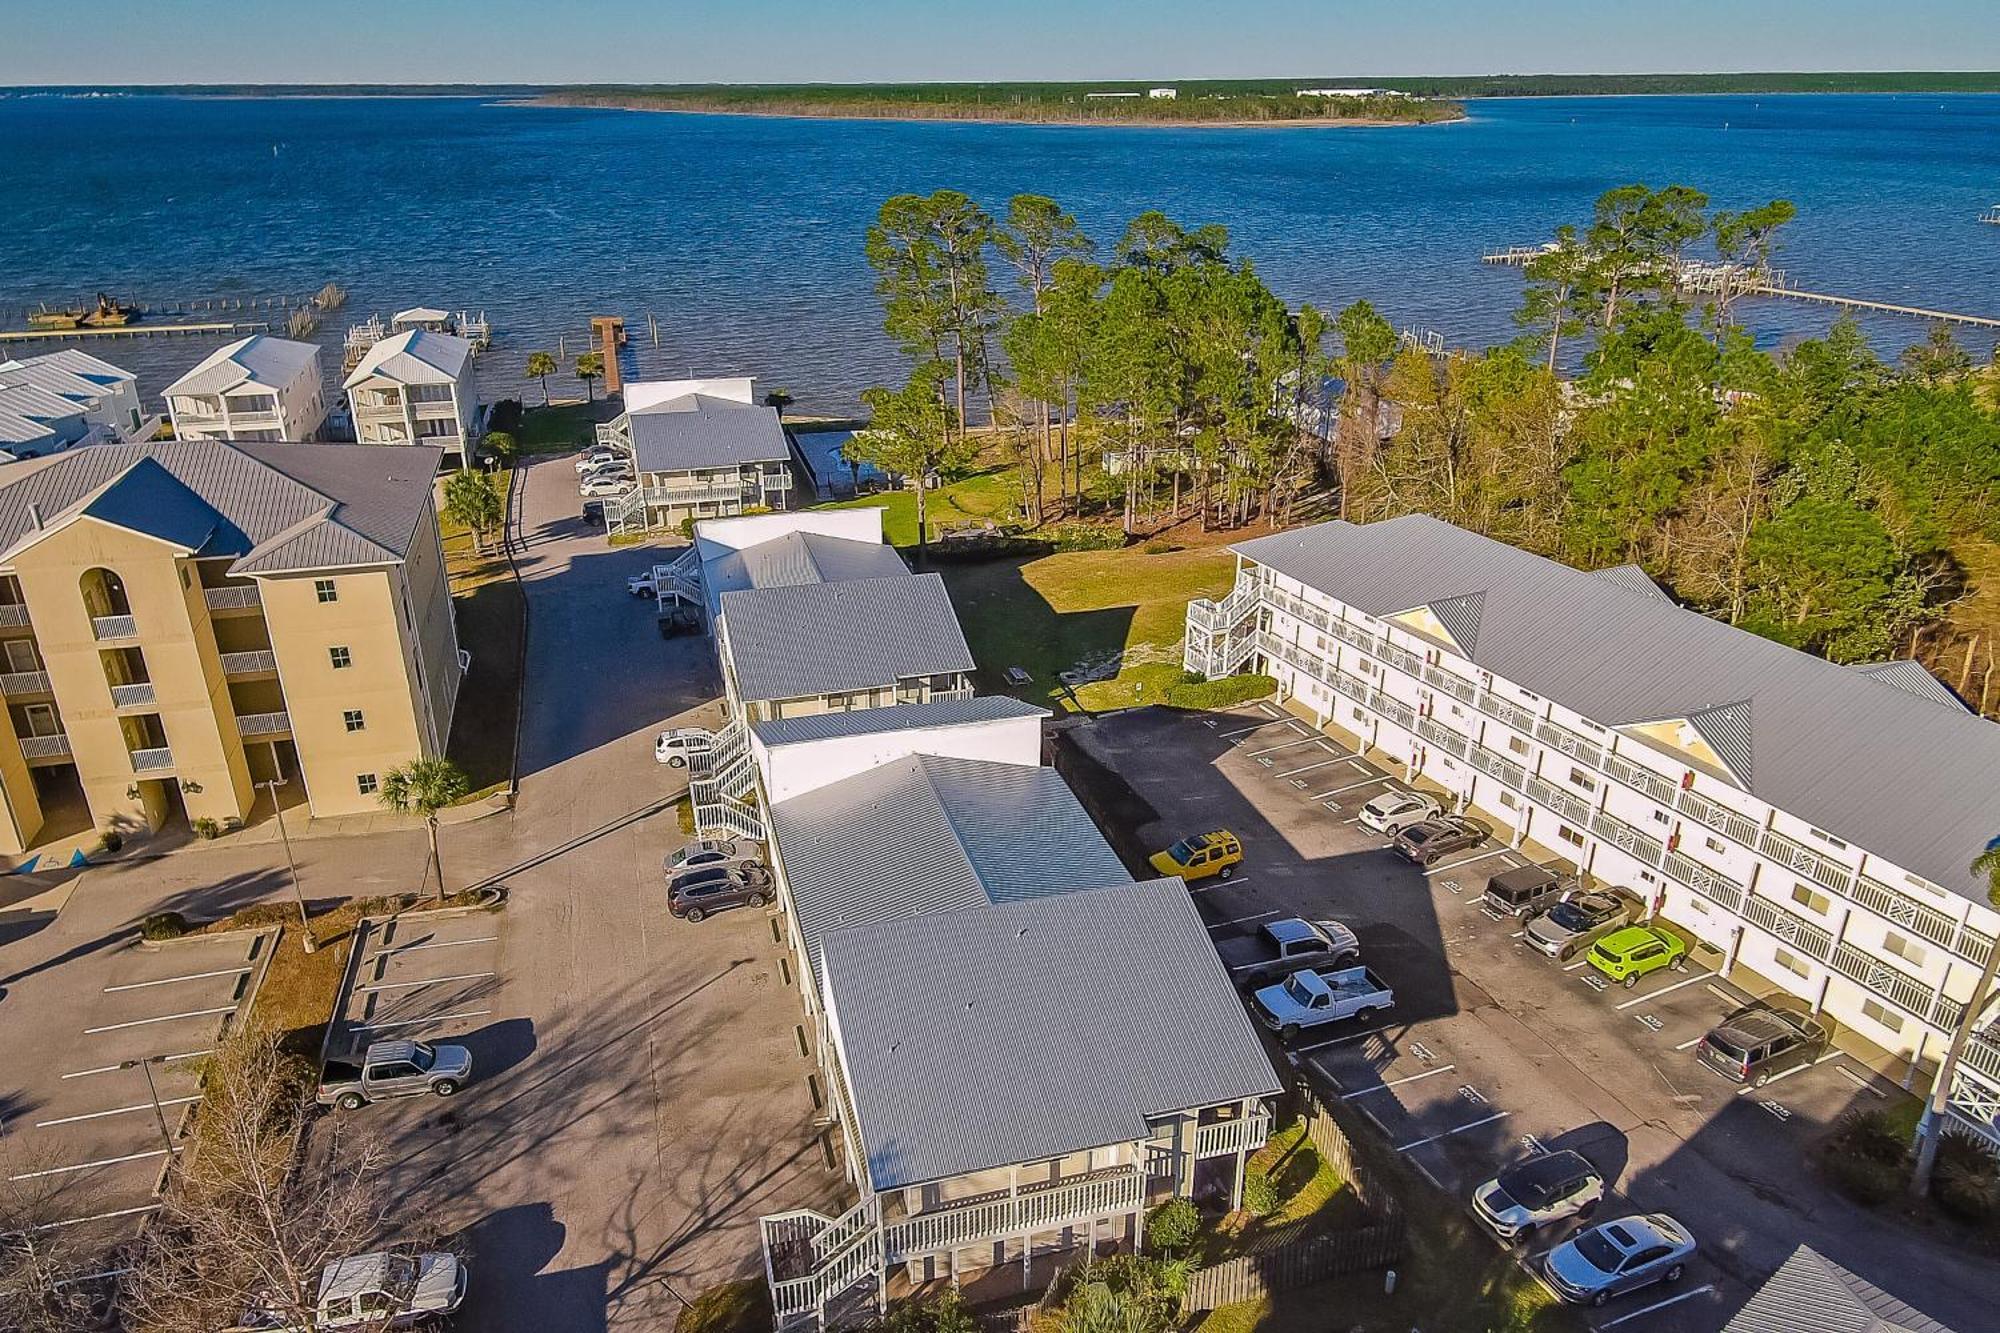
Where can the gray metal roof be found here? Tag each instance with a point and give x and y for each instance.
(929, 833)
(415, 356)
(1810, 1293)
(1632, 579)
(259, 359)
(37, 391)
(826, 638)
(797, 558)
(1023, 1031)
(902, 717)
(1912, 677)
(288, 506)
(699, 430)
(1881, 768)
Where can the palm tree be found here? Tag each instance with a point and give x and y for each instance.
(1930, 1130)
(424, 787)
(588, 367)
(540, 366)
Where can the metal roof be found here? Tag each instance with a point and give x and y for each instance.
(417, 356)
(1913, 678)
(36, 391)
(927, 834)
(1632, 579)
(282, 507)
(1881, 768)
(797, 558)
(1022, 1031)
(902, 717)
(700, 430)
(258, 360)
(828, 638)
(1810, 1293)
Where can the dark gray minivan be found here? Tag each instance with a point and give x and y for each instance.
(1523, 890)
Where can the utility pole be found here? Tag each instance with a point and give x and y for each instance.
(278, 813)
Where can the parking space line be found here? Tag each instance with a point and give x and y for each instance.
(427, 981)
(162, 1018)
(81, 1221)
(192, 976)
(1724, 996)
(1702, 1290)
(1666, 990)
(1244, 731)
(1571, 967)
(1691, 1041)
(1219, 884)
(438, 944)
(118, 1110)
(1352, 786)
(1239, 920)
(158, 1059)
(1396, 1082)
(1273, 749)
(1468, 860)
(85, 1166)
(1486, 1120)
(1795, 1069)
(1436, 1184)
(1337, 1041)
(1293, 772)
(412, 1022)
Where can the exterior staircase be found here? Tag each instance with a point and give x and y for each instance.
(1222, 636)
(680, 578)
(722, 784)
(812, 1261)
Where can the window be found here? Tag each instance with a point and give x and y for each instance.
(325, 591)
(1662, 817)
(1507, 801)
(1882, 1014)
(341, 658)
(1517, 745)
(353, 719)
(366, 784)
(1357, 715)
(1569, 835)
(1904, 948)
(1811, 899)
(1647, 876)
(1713, 844)
(1791, 962)
(1582, 780)
(1828, 839)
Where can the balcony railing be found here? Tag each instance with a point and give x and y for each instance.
(1640, 779)
(1437, 733)
(45, 747)
(152, 760)
(13, 615)
(1788, 926)
(1905, 911)
(1740, 828)
(1491, 764)
(1407, 662)
(263, 724)
(114, 627)
(140, 695)
(1823, 869)
(1561, 738)
(1117, 1191)
(1392, 708)
(1570, 806)
(1710, 884)
(232, 597)
(1515, 716)
(1626, 838)
(13, 684)
(1458, 687)
(1893, 985)
(1245, 1134)
(249, 663)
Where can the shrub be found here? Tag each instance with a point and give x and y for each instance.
(163, 926)
(1224, 692)
(1967, 1184)
(505, 416)
(1172, 1226)
(1871, 1135)
(1868, 1183)
(1085, 537)
(205, 828)
(1260, 1194)
(1161, 548)
(111, 841)
(686, 526)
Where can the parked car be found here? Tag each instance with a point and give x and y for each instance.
(1578, 919)
(1760, 1041)
(1612, 1258)
(1636, 951)
(694, 895)
(1537, 1192)
(1282, 947)
(1524, 890)
(676, 745)
(394, 1069)
(1310, 999)
(703, 852)
(1427, 840)
(604, 485)
(597, 456)
(642, 585)
(374, 1291)
(1394, 811)
(1198, 857)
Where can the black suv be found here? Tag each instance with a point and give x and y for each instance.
(706, 890)
(1760, 1041)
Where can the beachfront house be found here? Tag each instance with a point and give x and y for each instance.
(256, 390)
(1811, 822)
(62, 399)
(701, 448)
(417, 387)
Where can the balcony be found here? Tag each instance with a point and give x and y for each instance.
(140, 695)
(1893, 985)
(1491, 764)
(1738, 828)
(15, 684)
(1906, 911)
(1640, 779)
(1394, 709)
(1710, 884)
(114, 627)
(1571, 807)
(13, 615)
(1438, 734)
(263, 724)
(233, 597)
(1457, 687)
(1043, 1208)
(1626, 838)
(1515, 716)
(1224, 1137)
(1558, 737)
(1824, 870)
(1788, 927)
(155, 760)
(45, 747)
(259, 661)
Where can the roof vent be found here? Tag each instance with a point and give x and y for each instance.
(1021, 934)
(35, 514)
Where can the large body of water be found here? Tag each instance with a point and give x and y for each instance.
(742, 237)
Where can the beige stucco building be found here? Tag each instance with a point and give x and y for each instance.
(182, 621)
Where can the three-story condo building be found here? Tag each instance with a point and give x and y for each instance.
(256, 390)
(417, 387)
(184, 620)
(1812, 822)
(66, 398)
(700, 449)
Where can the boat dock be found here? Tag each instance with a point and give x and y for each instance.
(1704, 276)
(223, 329)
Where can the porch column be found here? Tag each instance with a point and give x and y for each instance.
(1027, 1237)
(1242, 1158)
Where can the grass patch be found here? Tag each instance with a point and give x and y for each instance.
(563, 427)
(733, 1307)
(492, 624)
(992, 493)
(1050, 613)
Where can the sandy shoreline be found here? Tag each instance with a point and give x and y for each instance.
(1300, 123)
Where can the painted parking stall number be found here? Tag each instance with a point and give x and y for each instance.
(1423, 1052)
(1595, 982)
(1454, 886)
(1777, 1109)
(1652, 1022)
(1468, 1093)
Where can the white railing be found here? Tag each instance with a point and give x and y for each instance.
(13, 615)
(1904, 910)
(140, 695)
(1573, 808)
(249, 663)
(1458, 687)
(153, 760)
(113, 627)
(1710, 884)
(1559, 737)
(232, 597)
(45, 747)
(1892, 984)
(1437, 733)
(1515, 716)
(1823, 869)
(1640, 779)
(1493, 765)
(24, 682)
(1788, 926)
(263, 724)
(1120, 1191)
(791, 1297)
(1246, 1134)
(1740, 828)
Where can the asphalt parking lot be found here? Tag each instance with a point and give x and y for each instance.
(1495, 1051)
(86, 1135)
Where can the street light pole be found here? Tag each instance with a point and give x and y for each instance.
(278, 813)
(145, 1066)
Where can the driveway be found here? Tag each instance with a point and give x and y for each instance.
(1495, 1051)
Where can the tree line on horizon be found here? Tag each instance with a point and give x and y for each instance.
(1819, 496)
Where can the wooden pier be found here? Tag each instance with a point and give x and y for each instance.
(224, 329)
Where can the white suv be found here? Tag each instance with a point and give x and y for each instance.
(675, 746)
(1394, 811)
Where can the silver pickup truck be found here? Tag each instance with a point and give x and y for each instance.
(373, 1291)
(1284, 946)
(394, 1069)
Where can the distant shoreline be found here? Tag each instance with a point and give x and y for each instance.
(949, 117)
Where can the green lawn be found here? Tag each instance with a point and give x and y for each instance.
(492, 618)
(988, 494)
(563, 428)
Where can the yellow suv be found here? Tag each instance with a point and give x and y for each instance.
(1200, 856)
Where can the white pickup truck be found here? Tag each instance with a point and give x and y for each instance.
(1308, 999)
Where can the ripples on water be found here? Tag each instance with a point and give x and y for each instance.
(743, 235)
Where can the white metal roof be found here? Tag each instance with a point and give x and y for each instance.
(415, 356)
(257, 360)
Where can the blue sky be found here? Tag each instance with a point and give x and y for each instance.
(665, 41)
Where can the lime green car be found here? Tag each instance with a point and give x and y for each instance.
(1628, 954)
